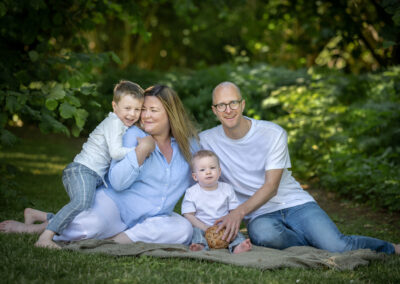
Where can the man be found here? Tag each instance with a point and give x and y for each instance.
(255, 160)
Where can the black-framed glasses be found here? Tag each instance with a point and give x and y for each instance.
(221, 107)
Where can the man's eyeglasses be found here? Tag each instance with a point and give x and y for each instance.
(232, 105)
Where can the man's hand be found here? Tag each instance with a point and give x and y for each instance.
(231, 223)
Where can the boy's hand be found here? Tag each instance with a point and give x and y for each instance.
(147, 144)
(145, 147)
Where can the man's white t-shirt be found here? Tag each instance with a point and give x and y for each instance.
(209, 205)
(245, 160)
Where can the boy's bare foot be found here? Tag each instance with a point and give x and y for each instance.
(46, 240)
(32, 215)
(196, 247)
(243, 246)
(396, 248)
(11, 226)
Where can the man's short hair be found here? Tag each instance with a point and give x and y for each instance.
(226, 84)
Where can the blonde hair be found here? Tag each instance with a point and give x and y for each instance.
(182, 128)
(124, 88)
(202, 154)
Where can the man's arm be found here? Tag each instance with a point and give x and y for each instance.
(268, 190)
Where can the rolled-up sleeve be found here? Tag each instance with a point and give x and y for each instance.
(123, 173)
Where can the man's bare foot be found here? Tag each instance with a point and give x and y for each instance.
(243, 246)
(46, 240)
(32, 215)
(11, 226)
(396, 248)
(196, 247)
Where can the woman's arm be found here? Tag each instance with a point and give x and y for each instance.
(195, 222)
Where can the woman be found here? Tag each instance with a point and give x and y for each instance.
(142, 191)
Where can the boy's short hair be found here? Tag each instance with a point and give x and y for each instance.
(202, 154)
(124, 88)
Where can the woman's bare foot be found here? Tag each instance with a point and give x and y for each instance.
(32, 215)
(196, 247)
(46, 240)
(243, 246)
(11, 226)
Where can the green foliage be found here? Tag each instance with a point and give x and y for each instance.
(47, 68)
(352, 35)
(345, 131)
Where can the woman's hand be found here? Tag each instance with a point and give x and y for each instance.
(145, 147)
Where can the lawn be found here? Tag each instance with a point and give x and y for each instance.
(36, 166)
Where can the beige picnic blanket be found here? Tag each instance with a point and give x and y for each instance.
(258, 257)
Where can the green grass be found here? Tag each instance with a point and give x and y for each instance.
(40, 160)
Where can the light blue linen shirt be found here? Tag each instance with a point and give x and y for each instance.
(152, 189)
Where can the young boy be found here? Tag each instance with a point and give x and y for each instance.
(87, 171)
(209, 200)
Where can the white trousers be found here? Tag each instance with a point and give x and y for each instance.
(103, 221)
(173, 229)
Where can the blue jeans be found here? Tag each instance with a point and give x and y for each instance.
(80, 182)
(307, 225)
(198, 238)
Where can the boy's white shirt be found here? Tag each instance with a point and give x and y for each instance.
(104, 143)
(244, 163)
(209, 205)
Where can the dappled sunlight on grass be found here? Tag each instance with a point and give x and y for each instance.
(38, 164)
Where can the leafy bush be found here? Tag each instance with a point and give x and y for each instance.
(345, 131)
(47, 66)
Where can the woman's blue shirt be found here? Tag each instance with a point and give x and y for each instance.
(152, 189)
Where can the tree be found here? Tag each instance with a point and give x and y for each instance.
(46, 62)
(354, 35)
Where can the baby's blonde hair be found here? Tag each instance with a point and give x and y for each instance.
(202, 154)
(124, 88)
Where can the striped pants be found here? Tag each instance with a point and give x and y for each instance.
(80, 182)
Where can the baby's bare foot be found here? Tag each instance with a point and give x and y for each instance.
(196, 247)
(243, 246)
(32, 215)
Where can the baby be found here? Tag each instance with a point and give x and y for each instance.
(209, 200)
